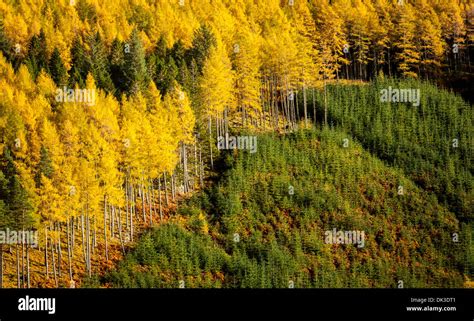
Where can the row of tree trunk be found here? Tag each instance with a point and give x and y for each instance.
(78, 238)
(66, 246)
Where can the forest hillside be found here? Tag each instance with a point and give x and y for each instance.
(135, 131)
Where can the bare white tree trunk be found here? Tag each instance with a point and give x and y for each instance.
(210, 142)
(150, 200)
(159, 196)
(89, 267)
(105, 229)
(305, 106)
(22, 263)
(94, 240)
(46, 252)
(126, 202)
(28, 265)
(185, 168)
(196, 164)
(60, 254)
(131, 222)
(1, 265)
(201, 168)
(173, 187)
(18, 267)
(166, 190)
(83, 238)
(314, 108)
(142, 189)
(54, 264)
(69, 250)
(120, 230)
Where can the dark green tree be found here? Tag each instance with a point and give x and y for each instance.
(161, 49)
(5, 43)
(37, 57)
(8, 49)
(116, 59)
(166, 72)
(5, 218)
(44, 166)
(57, 69)
(80, 65)
(98, 62)
(135, 69)
(17, 203)
(162, 66)
(179, 53)
(86, 11)
(203, 40)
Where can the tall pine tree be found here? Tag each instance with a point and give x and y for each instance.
(57, 69)
(135, 69)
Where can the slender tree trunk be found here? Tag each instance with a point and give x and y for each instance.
(89, 268)
(173, 187)
(60, 254)
(126, 202)
(28, 265)
(112, 221)
(325, 104)
(296, 112)
(87, 244)
(120, 230)
(226, 120)
(305, 106)
(94, 239)
(153, 193)
(18, 267)
(196, 163)
(69, 248)
(22, 263)
(274, 107)
(166, 191)
(1, 265)
(142, 189)
(46, 252)
(73, 229)
(132, 201)
(277, 103)
(201, 168)
(217, 125)
(131, 227)
(185, 168)
(287, 104)
(105, 229)
(54, 264)
(83, 238)
(210, 142)
(150, 200)
(127, 214)
(283, 107)
(159, 196)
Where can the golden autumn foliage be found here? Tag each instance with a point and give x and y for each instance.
(156, 80)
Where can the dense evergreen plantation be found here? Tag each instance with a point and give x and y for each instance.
(262, 224)
(226, 143)
(433, 143)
